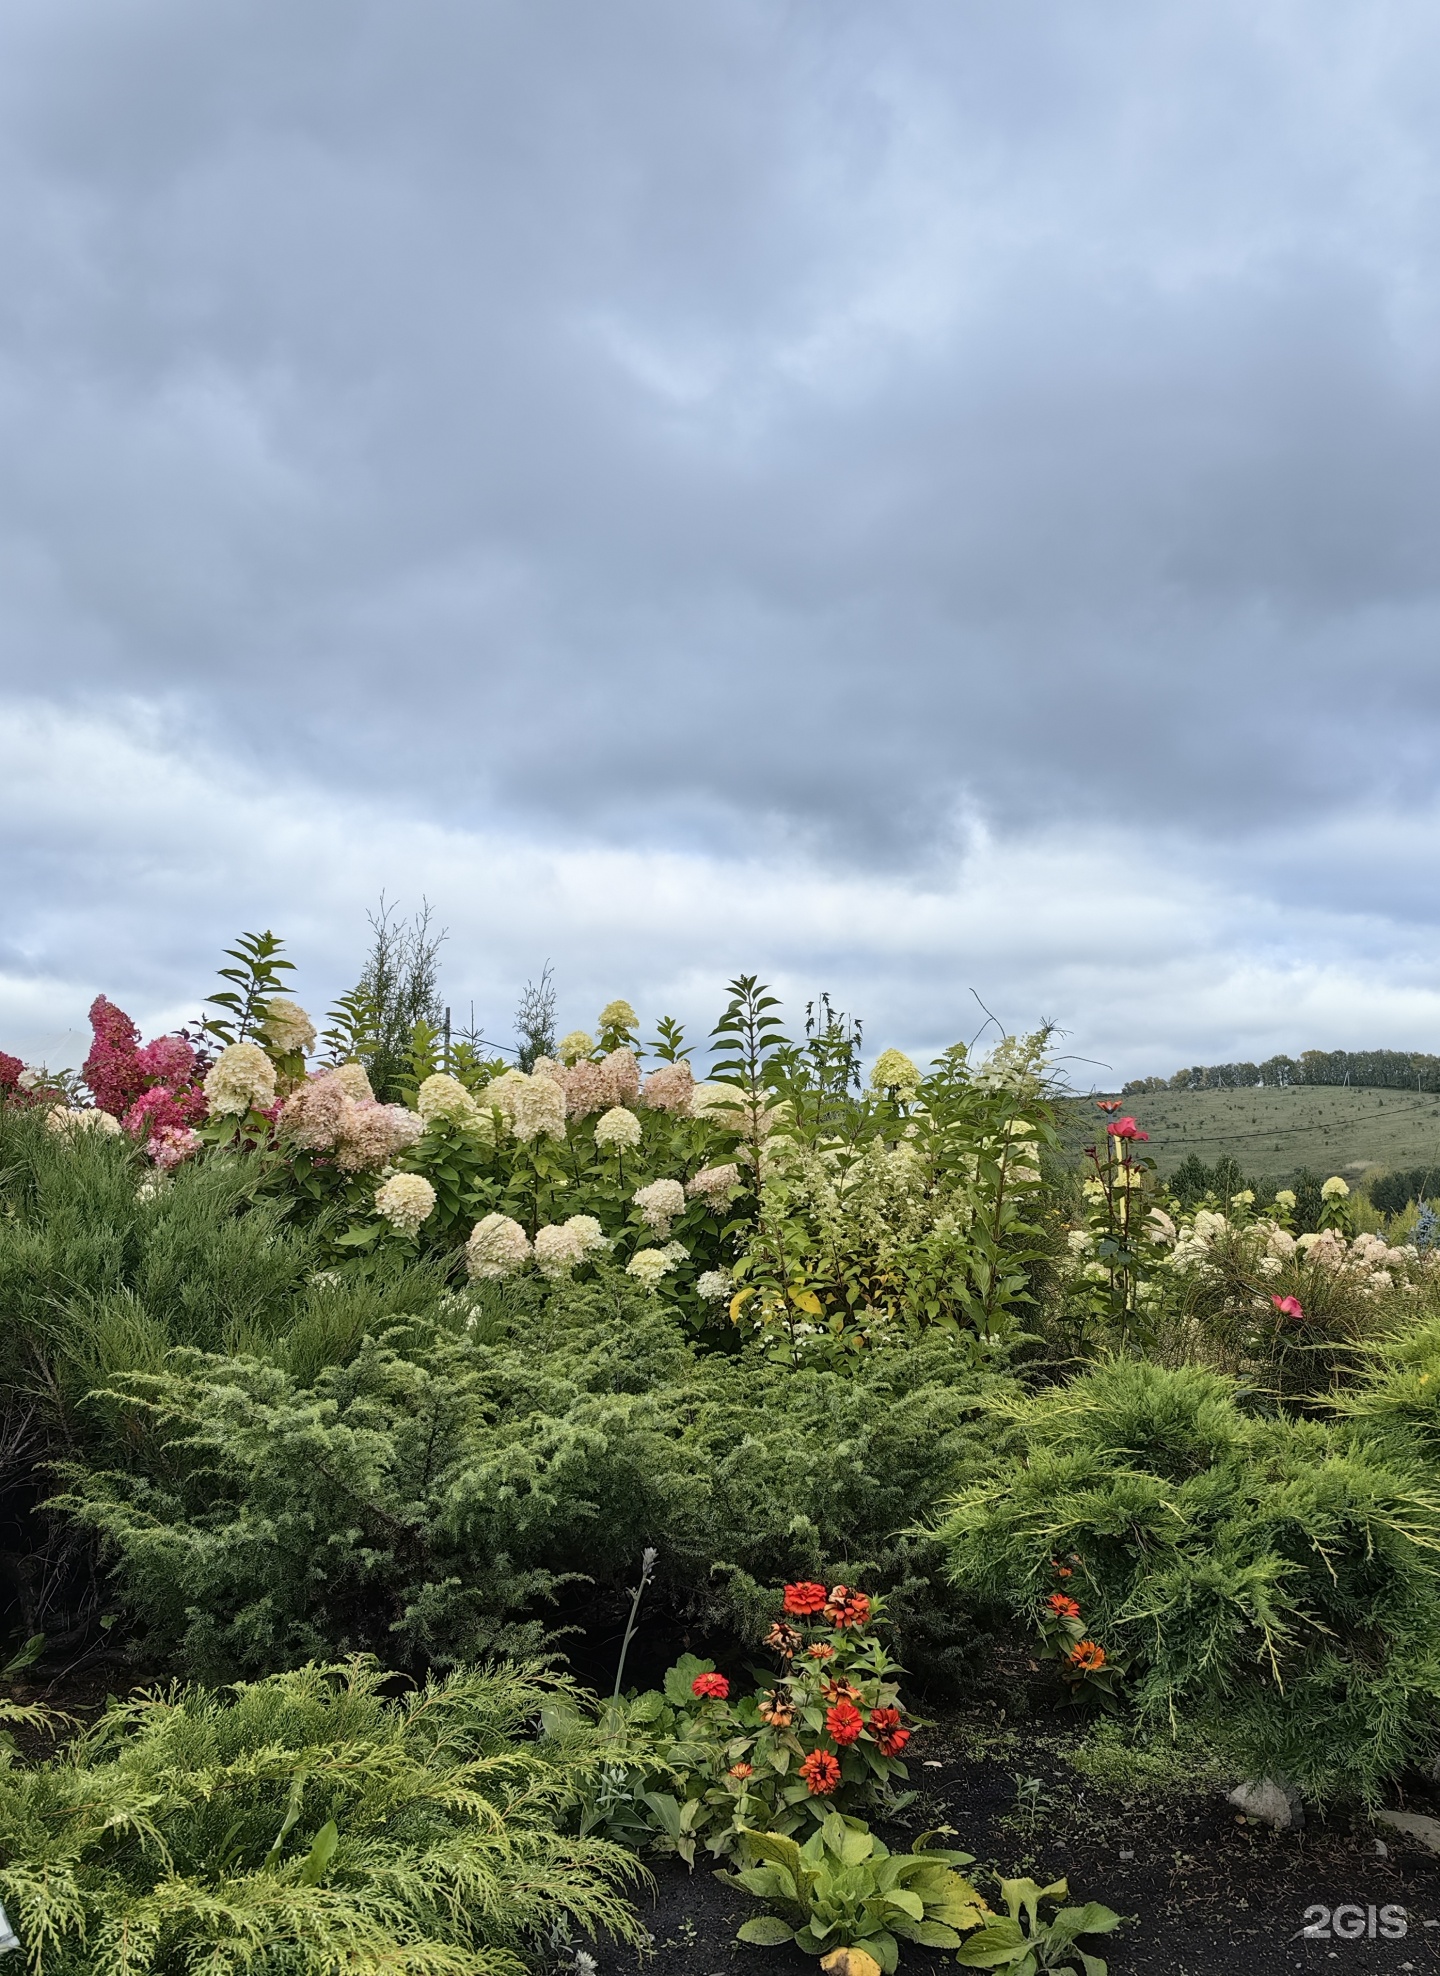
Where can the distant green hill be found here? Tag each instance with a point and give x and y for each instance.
(1273, 1133)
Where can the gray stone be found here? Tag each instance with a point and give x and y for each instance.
(1269, 1803)
(1414, 1824)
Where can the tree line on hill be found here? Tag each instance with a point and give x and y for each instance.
(1193, 1182)
(1380, 1070)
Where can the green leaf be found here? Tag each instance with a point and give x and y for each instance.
(766, 1931)
(321, 1854)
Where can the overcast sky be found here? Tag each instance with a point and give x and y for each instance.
(907, 500)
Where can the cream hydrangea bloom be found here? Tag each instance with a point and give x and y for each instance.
(714, 1286)
(578, 1043)
(648, 1266)
(353, 1082)
(660, 1203)
(497, 1247)
(1334, 1189)
(538, 1110)
(618, 1127)
(405, 1200)
(82, 1118)
(287, 1028)
(894, 1071)
(444, 1097)
(618, 1015)
(241, 1079)
(563, 1246)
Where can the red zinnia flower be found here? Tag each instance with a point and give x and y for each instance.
(894, 1743)
(1290, 1307)
(804, 1598)
(846, 1608)
(1125, 1128)
(821, 1772)
(711, 1687)
(1062, 1607)
(1088, 1655)
(844, 1722)
(884, 1720)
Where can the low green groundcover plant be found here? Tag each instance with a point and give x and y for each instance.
(844, 1889)
(306, 1825)
(1270, 1578)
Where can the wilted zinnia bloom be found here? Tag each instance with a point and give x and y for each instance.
(1089, 1655)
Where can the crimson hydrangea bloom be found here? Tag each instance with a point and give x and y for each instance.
(821, 1772)
(844, 1721)
(711, 1687)
(112, 1069)
(10, 1069)
(805, 1598)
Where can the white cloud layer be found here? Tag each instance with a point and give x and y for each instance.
(137, 854)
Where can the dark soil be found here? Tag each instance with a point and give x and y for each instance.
(1209, 1895)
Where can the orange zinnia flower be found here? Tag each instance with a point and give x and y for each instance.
(1089, 1655)
(844, 1722)
(1062, 1607)
(822, 1650)
(884, 1720)
(846, 1608)
(894, 1743)
(804, 1598)
(742, 1770)
(821, 1772)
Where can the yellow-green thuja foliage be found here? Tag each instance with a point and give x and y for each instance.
(306, 1824)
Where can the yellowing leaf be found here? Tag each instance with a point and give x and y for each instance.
(850, 1962)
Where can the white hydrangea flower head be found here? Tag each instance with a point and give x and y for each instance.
(1285, 1198)
(619, 1016)
(497, 1247)
(31, 1076)
(287, 1028)
(539, 1110)
(618, 1127)
(353, 1082)
(548, 1067)
(241, 1079)
(714, 1286)
(405, 1200)
(575, 1046)
(500, 1092)
(82, 1118)
(445, 1098)
(1334, 1189)
(894, 1071)
(660, 1203)
(717, 1101)
(648, 1266)
(563, 1246)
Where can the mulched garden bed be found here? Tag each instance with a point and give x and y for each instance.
(1210, 1896)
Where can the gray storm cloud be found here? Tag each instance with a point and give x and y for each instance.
(745, 429)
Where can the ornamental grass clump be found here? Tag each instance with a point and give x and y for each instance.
(309, 1823)
(1270, 1579)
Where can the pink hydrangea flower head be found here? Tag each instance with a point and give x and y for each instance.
(624, 1073)
(313, 1115)
(670, 1089)
(168, 1060)
(588, 1089)
(171, 1144)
